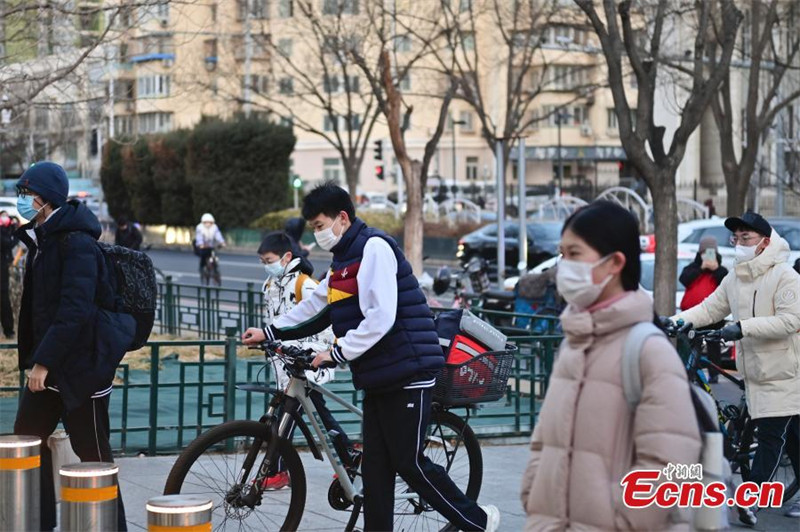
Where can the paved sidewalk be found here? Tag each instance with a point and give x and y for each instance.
(142, 478)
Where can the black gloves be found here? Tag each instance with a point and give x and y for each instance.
(732, 332)
(667, 322)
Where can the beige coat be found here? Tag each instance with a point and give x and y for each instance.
(763, 294)
(586, 440)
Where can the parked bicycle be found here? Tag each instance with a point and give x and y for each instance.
(231, 462)
(738, 429)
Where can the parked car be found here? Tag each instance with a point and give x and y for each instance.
(690, 234)
(543, 238)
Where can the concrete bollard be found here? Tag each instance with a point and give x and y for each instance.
(179, 513)
(19, 483)
(89, 494)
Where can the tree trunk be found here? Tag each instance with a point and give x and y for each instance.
(737, 186)
(413, 227)
(665, 206)
(351, 176)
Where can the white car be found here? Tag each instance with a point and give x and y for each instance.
(690, 233)
(648, 261)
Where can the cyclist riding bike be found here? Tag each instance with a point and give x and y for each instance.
(207, 238)
(763, 295)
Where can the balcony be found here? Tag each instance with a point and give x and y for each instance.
(143, 58)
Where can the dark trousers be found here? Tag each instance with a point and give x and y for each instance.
(6, 314)
(775, 434)
(341, 442)
(204, 254)
(394, 433)
(88, 428)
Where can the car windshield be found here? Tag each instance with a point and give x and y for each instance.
(720, 233)
(547, 231)
(791, 233)
(648, 273)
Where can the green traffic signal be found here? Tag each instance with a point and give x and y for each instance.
(297, 182)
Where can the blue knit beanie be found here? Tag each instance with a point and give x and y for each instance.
(48, 180)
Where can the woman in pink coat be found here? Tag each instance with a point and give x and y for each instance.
(586, 438)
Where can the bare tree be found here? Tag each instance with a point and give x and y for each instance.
(637, 32)
(384, 77)
(768, 52)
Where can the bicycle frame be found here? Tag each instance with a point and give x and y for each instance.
(298, 390)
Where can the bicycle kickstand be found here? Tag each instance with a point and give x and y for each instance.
(357, 503)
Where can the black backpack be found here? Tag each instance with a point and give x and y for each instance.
(132, 280)
(129, 287)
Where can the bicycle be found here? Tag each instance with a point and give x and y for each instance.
(210, 271)
(740, 439)
(247, 450)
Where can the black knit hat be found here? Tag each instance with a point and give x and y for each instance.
(48, 180)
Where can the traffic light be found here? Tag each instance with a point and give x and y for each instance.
(297, 182)
(379, 172)
(378, 150)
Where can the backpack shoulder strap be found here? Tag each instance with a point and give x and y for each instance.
(631, 375)
(298, 285)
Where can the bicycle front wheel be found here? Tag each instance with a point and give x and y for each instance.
(222, 465)
(450, 443)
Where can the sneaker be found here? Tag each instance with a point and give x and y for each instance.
(794, 510)
(492, 517)
(278, 481)
(747, 516)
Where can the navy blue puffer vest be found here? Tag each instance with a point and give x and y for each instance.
(411, 348)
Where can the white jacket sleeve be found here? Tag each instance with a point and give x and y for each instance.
(712, 310)
(786, 321)
(377, 299)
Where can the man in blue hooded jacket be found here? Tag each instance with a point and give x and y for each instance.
(69, 344)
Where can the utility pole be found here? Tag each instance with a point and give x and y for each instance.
(501, 214)
(248, 57)
(560, 160)
(455, 173)
(522, 266)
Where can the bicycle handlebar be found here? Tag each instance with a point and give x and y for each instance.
(299, 359)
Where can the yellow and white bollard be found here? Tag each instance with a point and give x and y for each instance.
(179, 513)
(89, 494)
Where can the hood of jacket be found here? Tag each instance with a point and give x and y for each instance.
(777, 252)
(70, 217)
(581, 325)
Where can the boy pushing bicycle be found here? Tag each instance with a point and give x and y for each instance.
(385, 331)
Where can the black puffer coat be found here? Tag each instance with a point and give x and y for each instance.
(61, 324)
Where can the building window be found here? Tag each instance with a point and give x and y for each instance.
(565, 77)
(154, 122)
(464, 5)
(403, 43)
(68, 117)
(259, 84)
(285, 8)
(611, 118)
(561, 35)
(123, 125)
(332, 169)
(328, 122)
(42, 118)
(286, 86)
(472, 168)
(259, 9)
(336, 84)
(157, 86)
(71, 155)
(468, 41)
(285, 47)
(405, 82)
(340, 7)
(213, 9)
(466, 118)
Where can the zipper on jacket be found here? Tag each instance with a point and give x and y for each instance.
(754, 303)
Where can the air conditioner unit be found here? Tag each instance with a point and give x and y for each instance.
(586, 130)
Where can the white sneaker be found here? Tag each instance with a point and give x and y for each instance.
(794, 510)
(492, 517)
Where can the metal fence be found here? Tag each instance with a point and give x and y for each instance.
(161, 405)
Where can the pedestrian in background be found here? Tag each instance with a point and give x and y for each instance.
(587, 439)
(71, 347)
(763, 295)
(8, 241)
(127, 235)
(701, 278)
(295, 227)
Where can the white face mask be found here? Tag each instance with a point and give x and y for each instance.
(275, 269)
(574, 282)
(746, 253)
(326, 239)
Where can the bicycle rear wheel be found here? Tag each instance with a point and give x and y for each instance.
(222, 464)
(451, 444)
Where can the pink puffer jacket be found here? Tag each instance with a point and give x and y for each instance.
(586, 439)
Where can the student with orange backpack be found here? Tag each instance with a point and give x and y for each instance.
(288, 282)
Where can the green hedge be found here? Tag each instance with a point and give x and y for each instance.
(231, 168)
(274, 221)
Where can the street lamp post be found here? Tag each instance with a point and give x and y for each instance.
(455, 123)
(560, 117)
